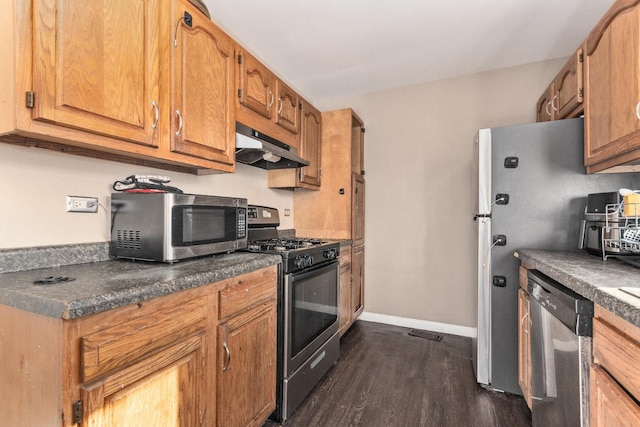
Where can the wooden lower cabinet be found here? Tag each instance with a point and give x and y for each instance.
(614, 376)
(156, 363)
(246, 374)
(161, 390)
(345, 315)
(357, 284)
(610, 403)
(351, 295)
(524, 346)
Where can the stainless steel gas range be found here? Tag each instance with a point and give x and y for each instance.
(308, 340)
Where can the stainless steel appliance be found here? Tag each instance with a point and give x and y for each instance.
(530, 187)
(168, 227)
(257, 149)
(609, 229)
(308, 340)
(561, 330)
(594, 225)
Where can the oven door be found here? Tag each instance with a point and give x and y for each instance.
(311, 312)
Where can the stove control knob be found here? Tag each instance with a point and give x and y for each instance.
(308, 261)
(330, 254)
(299, 262)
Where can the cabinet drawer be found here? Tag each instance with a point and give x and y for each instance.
(610, 404)
(619, 354)
(247, 291)
(125, 343)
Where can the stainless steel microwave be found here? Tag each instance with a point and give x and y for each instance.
(169, 227)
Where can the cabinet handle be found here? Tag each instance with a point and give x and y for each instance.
(547, 108)
(638, 110)
(179, 122)
(227, 357)
(281, 104)
(552, 104)
(272, 99)
(526, 331)
(154, 126)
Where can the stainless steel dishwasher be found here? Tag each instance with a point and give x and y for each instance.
(561, 330)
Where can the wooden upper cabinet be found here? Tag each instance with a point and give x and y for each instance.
(311, 144)
(612, 77)
(203, 123)
(257, 85)
(95, 66)
(288, 107)
(310, 149)
(569, 87)
(563, 97)
(545, 110)
(264, 102)
(105, 79)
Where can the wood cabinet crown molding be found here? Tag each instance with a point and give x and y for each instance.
(594, 37)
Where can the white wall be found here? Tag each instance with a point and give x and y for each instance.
(36, 181)
(418, 152)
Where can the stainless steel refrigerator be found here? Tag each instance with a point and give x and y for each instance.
(531, 192)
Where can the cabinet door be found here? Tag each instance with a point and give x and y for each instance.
(163, 390)
(610, 405)
(357, 209)
(288, 105)
(524, 346)
(569, 88)
(357, 285)
(344, 305)
(612, 108)
(203, 123)
(96, 66)
(256, 85)
(357, 145)
(310, 144)
(544, 109)
(247, 371)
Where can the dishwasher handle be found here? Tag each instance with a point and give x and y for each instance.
(570, 308)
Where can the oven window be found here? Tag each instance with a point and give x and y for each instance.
(199, 225)
(315, 305)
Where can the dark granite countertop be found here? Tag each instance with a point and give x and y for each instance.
(603, 282)
(104, 285)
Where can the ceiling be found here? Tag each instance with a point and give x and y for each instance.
(336, 48)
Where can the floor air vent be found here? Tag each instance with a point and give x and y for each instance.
(425, 334)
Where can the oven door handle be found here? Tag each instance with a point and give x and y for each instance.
(302, 274)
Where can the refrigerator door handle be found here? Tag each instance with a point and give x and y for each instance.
(476, 216)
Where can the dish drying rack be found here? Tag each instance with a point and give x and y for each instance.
(621, 232)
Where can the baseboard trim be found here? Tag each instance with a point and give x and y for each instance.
(445, 328)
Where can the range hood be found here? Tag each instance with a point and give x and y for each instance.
(257, 149)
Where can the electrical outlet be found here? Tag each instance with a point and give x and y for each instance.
(287, 212)
(82, 204)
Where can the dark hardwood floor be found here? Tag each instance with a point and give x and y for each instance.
(386, 378)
